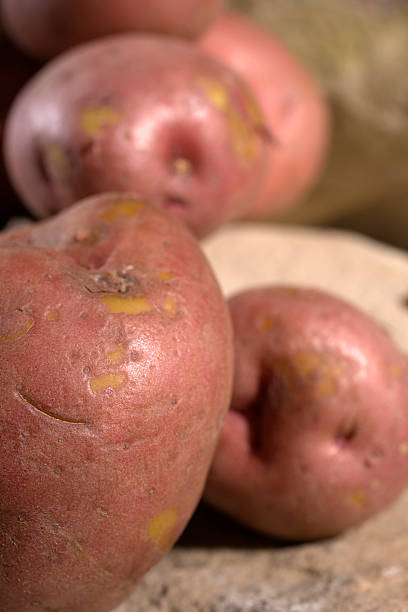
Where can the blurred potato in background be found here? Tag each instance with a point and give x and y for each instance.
(359, 51)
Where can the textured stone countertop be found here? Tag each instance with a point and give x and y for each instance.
(218, 566)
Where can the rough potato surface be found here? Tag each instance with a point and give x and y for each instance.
(115, 375)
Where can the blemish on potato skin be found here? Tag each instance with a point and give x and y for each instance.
(94, 119)
(245, 140)
(165, 275)
(115, 355)
(403, 449)
(52, 315)
(19, 333)
(312, 367)
(106, 381)
(101, 512)
(127, 305)
(126, 207)
(88, 236)
(396, 369)
(161, 528)
(359, 498)
(268, 323)
(170, 306)
(182, 166)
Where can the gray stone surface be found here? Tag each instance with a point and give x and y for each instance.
(218, 566)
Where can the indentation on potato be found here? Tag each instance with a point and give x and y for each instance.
(19, 333)
(107, 381)
(127, 305)
(346, 433)
(170, 306)
(125, 207)
(27, 399)
(94, 119)
(116, 354)
(161, 528)
(254, 418)
(175, 204)
(56, 156)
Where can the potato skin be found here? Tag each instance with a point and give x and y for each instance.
(142, 113)
(115, 376)
(294, 107)
(44, 28)
(317, 437)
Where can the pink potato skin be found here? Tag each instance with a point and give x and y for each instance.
(44, 28)
(138, 113)
(115, 376)
(316, 440)
(292, 103)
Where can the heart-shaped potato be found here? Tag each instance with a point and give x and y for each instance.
(115, 376)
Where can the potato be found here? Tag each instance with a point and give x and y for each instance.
(46, 27)
(316, 440)
(142, 113)
(115, 375)
(294, 107)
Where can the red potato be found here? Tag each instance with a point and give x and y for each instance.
(115, 376)
(145, 113)
(295, 110)
(44, 28)
(317, 437)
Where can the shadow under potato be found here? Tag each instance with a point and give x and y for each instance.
(209, 528)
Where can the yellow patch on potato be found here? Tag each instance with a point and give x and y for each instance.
(126, 207)
(127, 305)
(94, 119)
(57, 156)
(268, 323)
(52, 315)
(359, 498)
(396, 369)
(161, 528)
(403, 448)
(244, 139)
(19, 333)
(253, 109)
(215, 93)
(116, 354)
(313, 367)
(165, 275)
(106, 381)
(170, 306)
